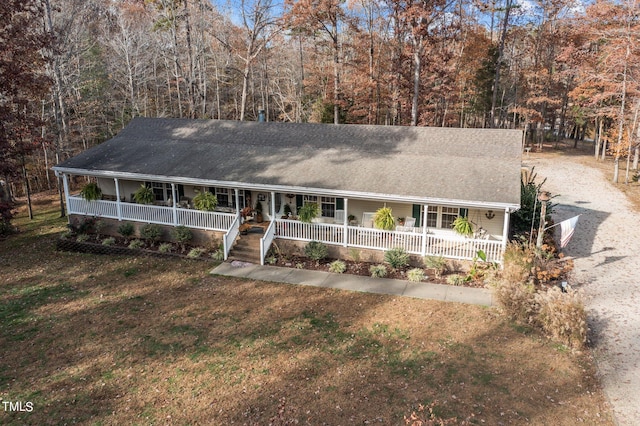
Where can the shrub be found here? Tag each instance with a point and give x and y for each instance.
(218, 255)
(82, 226)
(517, 300)
(396, 257)
(144, 195)
(6, 214)
(316, 250)
(91, 192)
(563, 317)
(126, 229)
(98, 226)
(151, 232)
(136, 244)
(337, 266)
(416, 275)
(182, 235)
(455, 279)
(271, 260)
(378, 271)
(437, 263)
(195, 253)
(308, 212)
(205, 201)
(108, 241)
(165, 248)
(81, 238)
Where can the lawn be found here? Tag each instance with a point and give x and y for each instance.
(99, 340)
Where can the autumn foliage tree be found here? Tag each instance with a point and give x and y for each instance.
(22, 85)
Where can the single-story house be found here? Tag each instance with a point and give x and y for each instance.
(427, 176)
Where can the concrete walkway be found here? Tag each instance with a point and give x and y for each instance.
(424, 290)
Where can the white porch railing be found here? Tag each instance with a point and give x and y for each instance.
(230, 236)
(265, 242)
(451, 246)
(146, 213)
(295, 230)
(458, 247)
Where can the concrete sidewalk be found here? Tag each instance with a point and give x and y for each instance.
(425, 290)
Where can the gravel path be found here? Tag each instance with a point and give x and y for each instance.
(606, 246)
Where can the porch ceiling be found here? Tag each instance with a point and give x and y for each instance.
(476, 167)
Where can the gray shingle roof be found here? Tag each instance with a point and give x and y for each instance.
(421, 163)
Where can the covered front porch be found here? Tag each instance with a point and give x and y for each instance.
(422, 230)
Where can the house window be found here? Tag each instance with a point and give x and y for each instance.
(227, 197)
(432, 217)
(162, 191)
(449, 215)
(327, 204)
(441, 217)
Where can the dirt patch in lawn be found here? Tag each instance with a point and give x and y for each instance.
(133, 340)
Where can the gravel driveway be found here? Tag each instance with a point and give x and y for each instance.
(606, 246)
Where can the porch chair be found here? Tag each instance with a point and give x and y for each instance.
(339, 217)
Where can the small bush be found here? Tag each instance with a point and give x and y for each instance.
(563, 317)
(126, 229)
(517, 300)
(99, 226)
(82, 238)
(437, 263)
(136, 244)
(182, 235)
(416, 275)
(316, 250)
(218, 255)
(108, 241)
(151, 232)
(195, 253)
(455, 279)
(337, 266)
(378, 271)
(396, 257)
(271, 260)
(165, 248)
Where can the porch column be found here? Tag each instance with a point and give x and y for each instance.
(505, 229)
(236, 191)
(424, 230)
(118, 206)
(65, 184)
(273, 206)
(174, 204)
(345, 236)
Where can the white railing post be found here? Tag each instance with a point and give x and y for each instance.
(118, 206)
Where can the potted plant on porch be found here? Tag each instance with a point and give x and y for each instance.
(144, 195)
(205, 201)
(383, 219)
(91, 192)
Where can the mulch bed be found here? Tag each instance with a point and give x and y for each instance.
(362, 268)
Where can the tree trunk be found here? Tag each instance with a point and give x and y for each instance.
(496, 78)
(417, 66)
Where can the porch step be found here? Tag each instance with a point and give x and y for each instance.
(247, 248)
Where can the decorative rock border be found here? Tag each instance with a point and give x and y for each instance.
(94, 248)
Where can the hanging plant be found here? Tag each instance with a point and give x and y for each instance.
(144, 195)
(91, 191)
(462, 226)
(205, 201)
(308, 212)
(383, 219)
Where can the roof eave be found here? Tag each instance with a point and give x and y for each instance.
(509, 207)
